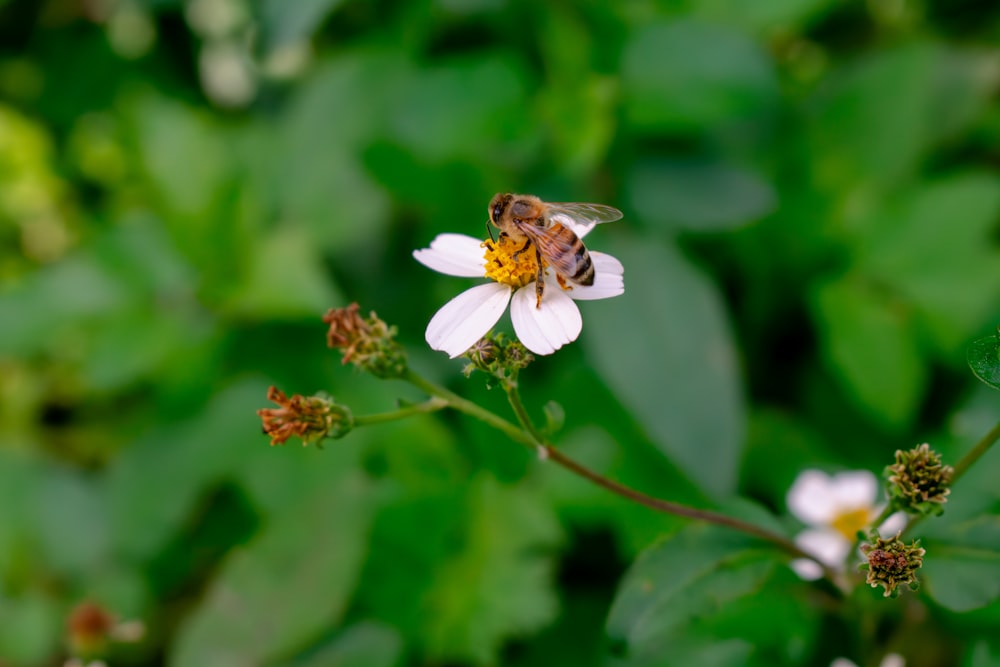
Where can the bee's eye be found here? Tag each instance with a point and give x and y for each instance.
(497, 211)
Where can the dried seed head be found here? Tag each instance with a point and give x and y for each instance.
(918, 481)
(368, 343)
(311, 418)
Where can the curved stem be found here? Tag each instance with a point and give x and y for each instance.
(976, 452)
(531, 437)
(433, 404)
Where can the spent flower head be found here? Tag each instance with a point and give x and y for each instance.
(919, 483)
(542, 326)
(891, 563)
(311, 418)
(834, 508)
(497, 355)
(368, 343)
(91, 629)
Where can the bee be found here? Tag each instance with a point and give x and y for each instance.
(549, 229)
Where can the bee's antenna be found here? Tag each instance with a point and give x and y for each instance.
(489, 230)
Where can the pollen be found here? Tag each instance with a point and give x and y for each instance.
(848, 523)
(510, 262)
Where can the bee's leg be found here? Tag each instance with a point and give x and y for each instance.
(563, 283)
(527, 242)
(539, 280)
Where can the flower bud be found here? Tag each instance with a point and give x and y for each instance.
(367, 343)
(311, 418)
(918, 481)
(892, 563)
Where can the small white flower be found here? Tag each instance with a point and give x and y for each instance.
(470, 315)
(890, 660)
(834, 508)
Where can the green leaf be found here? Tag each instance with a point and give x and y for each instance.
(364, 644)
(475, 564)
(285, 279)
(875, 117)
(499, 585)
(155, 483)
(984, 359)
(698, 195)
(285, 23)
(961, 563)
(705, 593)
(287, 585)
(761, 16)
(673, 366)
(947, 271)
(688, 75)
(870, 346)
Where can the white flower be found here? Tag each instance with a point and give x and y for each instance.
(470, 315)
(890, 660)
(834, 508)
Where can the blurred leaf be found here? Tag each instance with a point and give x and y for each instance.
(284, 587)
(673, 367)
(477, 577)
(984, 359)
(464, 108)
(284, 23)
(761, 16)
(947, 271)
(30, 628)
(870, 345)
(499, 585)
(310, 167)
(155, 483)
(76, 542)
(874, 118)
(961, 564)
(285, 279)
(687, 75)
(704, 594)
(698, 195)
(364, 644)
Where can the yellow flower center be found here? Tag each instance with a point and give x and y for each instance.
(510, 262)
(848, 523)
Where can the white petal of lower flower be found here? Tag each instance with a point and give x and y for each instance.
(454, 255)
(807, 569)
(466, 318)
(827, 545)
(855, 488)
(842, 662)
(544, 330)
(812, 499)
(893, 660)
(895, 523)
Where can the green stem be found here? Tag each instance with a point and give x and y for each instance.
(531, 437)
(431, 405)
(967, 462)
(976, 452)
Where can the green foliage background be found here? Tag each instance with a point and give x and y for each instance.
(810, 240)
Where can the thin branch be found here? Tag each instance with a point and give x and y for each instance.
(432, 404)
(531, 437)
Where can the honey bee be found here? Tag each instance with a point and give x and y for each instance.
(549, 228)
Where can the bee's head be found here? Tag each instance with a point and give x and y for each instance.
(498, 205)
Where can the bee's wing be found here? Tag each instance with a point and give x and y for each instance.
(560, 247)
(582, 217)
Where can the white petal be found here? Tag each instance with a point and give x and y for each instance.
(811, 498)
(807, 569)
(466, 318)
(605, 263)
(828, 546)
(842, 662)
(855, 488)
(893, 660)
(544, 330)
(454, 255)
(895, 523)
